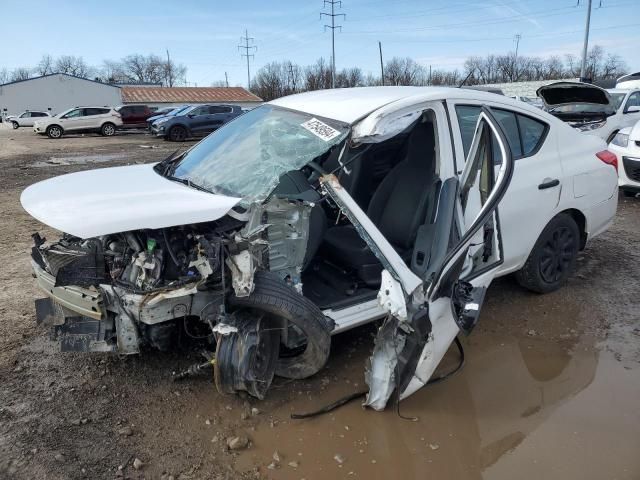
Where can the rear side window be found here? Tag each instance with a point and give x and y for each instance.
(95, 111)
(38, 114)
(524, 134)
(219, 109)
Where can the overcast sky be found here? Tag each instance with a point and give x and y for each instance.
(204, 35)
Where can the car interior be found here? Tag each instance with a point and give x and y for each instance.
(396, 183)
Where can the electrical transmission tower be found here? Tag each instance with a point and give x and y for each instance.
(332, 4)
(247, 48)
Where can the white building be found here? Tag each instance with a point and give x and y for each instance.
(54, 93)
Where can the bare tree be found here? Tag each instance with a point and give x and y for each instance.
(45, 65)
(318, 75)
(403, 71)
(350, 77)
(5, 76)
(21, 73)
(73, 66)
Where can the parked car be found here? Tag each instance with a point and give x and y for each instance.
(172, 112)
(197, 121)
(103, 120)
(536, 102)
(26, 119)
(626, 146)
(134, 116)
(630, 81)
(592, 109)
(317, 213)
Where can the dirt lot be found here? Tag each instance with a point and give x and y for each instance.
(550, 390)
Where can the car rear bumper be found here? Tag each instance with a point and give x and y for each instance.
(628, 165)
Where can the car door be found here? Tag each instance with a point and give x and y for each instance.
(538, 177)
(25, 120)
(429, 302)
(218, 116)
(198, 119)
(73, 120)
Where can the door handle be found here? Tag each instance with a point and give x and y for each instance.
(548, 183)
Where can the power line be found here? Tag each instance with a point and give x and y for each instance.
(333, 26)
(247, 48)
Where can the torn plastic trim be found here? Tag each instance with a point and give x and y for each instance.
(379, 245)
(390, 120)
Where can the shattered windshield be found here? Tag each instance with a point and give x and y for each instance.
(246, 157)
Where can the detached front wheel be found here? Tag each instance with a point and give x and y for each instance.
(553, 257)
(284, 305)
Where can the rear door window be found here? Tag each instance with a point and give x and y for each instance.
(219, 109)
(524, 134)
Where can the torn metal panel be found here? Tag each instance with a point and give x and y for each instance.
(242, 268)
(378, 244)
(380, 374)
(391, 297)
(283, 226)
(127, 334)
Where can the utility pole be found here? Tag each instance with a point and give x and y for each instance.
(226, 79)
(169, 70)
(381, 64)
(333, 26)
(247, 48)
(515, 59)
(583, 68)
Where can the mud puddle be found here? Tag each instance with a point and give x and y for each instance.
(520, 406)
(80, 160)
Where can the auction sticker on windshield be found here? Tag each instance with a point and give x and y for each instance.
(320, 129)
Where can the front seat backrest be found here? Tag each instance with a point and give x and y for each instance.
(399, 204)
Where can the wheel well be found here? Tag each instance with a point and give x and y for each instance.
(611, 135)
(581, 220)
(54, 125)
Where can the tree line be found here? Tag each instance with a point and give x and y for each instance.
(130, 69)
(277, 79)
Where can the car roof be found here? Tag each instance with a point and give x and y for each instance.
(620, 90)
(349, 105)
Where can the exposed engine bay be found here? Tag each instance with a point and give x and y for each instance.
(157, 286)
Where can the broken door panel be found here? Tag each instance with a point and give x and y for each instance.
(406, 356)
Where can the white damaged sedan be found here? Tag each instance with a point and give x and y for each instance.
(314, 214)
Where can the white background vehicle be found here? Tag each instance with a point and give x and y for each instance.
(627, 104)
(26, 119)
(427, 194)
(103, 120)
(592, 109)
(626, 146)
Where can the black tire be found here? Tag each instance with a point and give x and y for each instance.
(553, 257)
(629, 193)
(15, 125)
(273, 296)
(54, 131)
(108, 130)
(177, 134)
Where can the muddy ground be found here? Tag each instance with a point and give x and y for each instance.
(550, 389)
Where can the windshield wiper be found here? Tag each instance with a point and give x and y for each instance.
(167, 164)
(187, 182)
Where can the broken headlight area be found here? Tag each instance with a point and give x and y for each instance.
(217, 285)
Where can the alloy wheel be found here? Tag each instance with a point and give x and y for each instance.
(557, 254)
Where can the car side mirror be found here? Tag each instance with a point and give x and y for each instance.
(633, 109)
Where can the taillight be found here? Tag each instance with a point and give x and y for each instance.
(609, 158)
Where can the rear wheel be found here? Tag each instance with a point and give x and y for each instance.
(54, 131)
(553, 256)
(177, 134)
(108, 130)
(16, 125)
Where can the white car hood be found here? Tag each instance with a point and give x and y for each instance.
(111, 200)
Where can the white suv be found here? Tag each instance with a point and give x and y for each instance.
(103, 120)
(25, 119)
